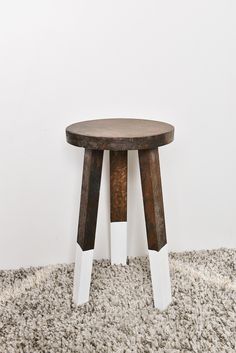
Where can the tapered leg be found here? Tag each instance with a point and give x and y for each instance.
(87, 224)
(118, 192)
(155, 226)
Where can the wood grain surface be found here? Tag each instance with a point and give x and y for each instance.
(120, 134)
(89, 198)
(152, 198)
(118, 186)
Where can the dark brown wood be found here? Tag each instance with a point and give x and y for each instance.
(120, 134)
(152, 198)
(118, 185)
(89, 198)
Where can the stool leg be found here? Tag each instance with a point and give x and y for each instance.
(118, 197)
(87, 224)
(155, 226)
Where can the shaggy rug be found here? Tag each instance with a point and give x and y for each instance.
(37, 314)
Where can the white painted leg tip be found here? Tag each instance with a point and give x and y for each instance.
(78, 303)
(123, 263)
(160, 275)
(162, 307)
(118, 243)
(82, 275)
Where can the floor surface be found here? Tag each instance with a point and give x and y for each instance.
(37, 313)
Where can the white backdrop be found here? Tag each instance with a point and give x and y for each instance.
(66, 61)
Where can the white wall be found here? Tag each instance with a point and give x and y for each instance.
(66, 61)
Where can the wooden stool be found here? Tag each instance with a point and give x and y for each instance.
(118, 136)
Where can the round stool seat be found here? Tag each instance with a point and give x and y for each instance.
(120, 134)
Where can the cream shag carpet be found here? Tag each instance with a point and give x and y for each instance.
(37, 313)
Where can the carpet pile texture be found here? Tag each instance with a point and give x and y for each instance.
(37, 314)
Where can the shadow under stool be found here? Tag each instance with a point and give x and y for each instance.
(118, 136)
